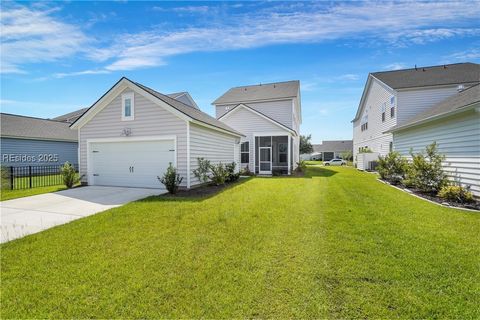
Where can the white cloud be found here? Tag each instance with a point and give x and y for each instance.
(395, 66)
(348, 77)
(468, 55)
(78, 73)
(33, 35)
(392, 22)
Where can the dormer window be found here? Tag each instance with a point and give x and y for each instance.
(128, 106)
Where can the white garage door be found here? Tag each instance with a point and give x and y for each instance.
(130, 164)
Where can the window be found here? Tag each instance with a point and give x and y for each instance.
(128, 106)
(390, 146)
(384, 107)
(245, 152)
(364, 122)
(392, 106)
(282, 152)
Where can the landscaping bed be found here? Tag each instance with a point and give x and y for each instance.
(433, 197)
(206, 190)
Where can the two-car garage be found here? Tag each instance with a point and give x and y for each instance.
(130, 162)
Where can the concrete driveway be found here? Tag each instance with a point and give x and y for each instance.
(24, 216)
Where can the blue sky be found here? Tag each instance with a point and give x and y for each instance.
(58, 57)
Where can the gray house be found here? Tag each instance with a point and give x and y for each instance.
(132, 133)
(28, 141)
(329, 150)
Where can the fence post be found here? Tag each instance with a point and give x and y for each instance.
(11, 178)
(30, 176)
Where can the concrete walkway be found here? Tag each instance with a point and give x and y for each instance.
(24, 216)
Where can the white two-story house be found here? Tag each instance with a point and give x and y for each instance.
(269, 117)
(406, 110)
(391, 98)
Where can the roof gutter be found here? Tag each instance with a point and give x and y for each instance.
(475, 105)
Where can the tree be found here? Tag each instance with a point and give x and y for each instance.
(347, 155)
(305, 144)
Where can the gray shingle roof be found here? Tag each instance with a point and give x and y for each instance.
(454, 103)
(278, 90)
(188, 110)
(334, 146)
(431, 76)
(71, 116)
(35, 128)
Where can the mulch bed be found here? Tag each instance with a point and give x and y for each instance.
(432, 197)
(202, 191)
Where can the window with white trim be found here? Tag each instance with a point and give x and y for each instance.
(384, 108)
(392, 107)
(283, 152)
(245, 152)
(128, 106)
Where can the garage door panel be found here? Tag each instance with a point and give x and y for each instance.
(132, 164)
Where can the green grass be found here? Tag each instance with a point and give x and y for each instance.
(333, 244)
(13, 194)
(313, 162)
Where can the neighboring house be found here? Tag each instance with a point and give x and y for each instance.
(329, 150)
(454, 124)
(184, 97)
(132, 133)
(28, 141)
(71, 117)
(269, 117)
(393, 98)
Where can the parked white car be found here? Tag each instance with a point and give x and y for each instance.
(335, 162)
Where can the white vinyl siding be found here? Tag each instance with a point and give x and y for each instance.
(280, 111)
(211, 145)
(457, 137)
(150, 120)
(373, 136)
(415, 101)
(248, 123)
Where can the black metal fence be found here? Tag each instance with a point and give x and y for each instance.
(26, 177)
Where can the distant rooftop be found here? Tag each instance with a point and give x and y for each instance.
(334, 146)
(430, 76)
(277, 90)
(16, 126)
(71, 116)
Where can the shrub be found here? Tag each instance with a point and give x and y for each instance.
(5, 178)
(69, 175)
(456, 193)
(246, 172)
(392, 167)
(171, 180)
(301, 166)
(202, 172)
(219, 173)
(365, 150)
(232, 176)
(426, 171)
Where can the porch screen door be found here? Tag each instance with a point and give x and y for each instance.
(265, 160)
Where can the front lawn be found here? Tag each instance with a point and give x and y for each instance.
(13, 194)
(333, 244)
